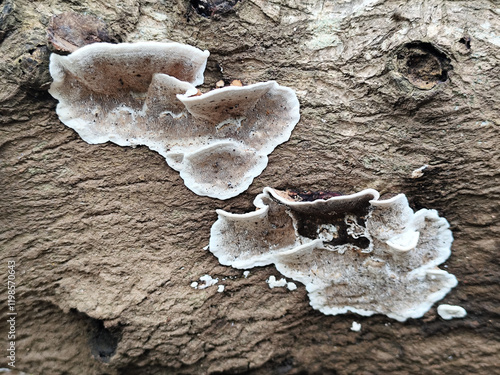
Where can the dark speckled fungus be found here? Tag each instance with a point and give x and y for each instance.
(145, 94)
(353, 253)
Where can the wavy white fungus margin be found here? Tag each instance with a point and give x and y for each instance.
(145, 94)
(354, 253)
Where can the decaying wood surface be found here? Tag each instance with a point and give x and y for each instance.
(107, 240)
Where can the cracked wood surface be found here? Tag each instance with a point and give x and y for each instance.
(107, 240)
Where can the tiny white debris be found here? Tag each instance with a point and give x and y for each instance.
(206, 247)
(273, 283)
(448, 312)
(356, 327)
(194, 284)
(209, 281)
(246, 273)
(419, 172)
(220, 288)
(291, 286)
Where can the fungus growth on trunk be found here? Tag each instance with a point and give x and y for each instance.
(145, 94)
(353, 253)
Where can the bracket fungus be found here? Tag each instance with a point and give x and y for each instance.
(353, 253)
(145, 94)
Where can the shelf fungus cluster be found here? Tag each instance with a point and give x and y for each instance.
(353, 253)
(145, 94)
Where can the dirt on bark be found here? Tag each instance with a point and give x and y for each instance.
(107, 240)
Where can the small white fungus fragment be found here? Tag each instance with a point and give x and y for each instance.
(273, 283)
(246, 273)
(291, 286)
(220, 288)
(356, 327)
(448, 312)
(206, 247)
(194, 285)
(209, 281)
(419, 172)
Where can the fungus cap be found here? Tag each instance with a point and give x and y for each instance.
(353, 253)
(145, 94)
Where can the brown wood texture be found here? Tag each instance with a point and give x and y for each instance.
(107, 240)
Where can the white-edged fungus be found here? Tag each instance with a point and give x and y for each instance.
(291, 286)
(145, 94)
(448, 312)
(246, 273)
(353, 253)
(220, 288)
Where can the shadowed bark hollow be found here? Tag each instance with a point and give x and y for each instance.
(107, 240)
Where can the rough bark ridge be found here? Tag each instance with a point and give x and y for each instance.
(108, 239)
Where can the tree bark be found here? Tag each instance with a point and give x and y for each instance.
(107, 240)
